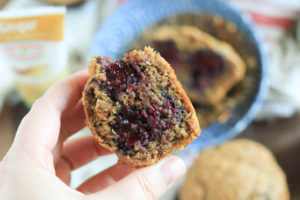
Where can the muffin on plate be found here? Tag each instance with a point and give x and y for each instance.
(237, 170)
(207, 67)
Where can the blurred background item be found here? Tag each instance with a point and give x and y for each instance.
(238, 169)
(6, 83)
(2, 3)
(276, 23)
(32, 46)
(64, 2)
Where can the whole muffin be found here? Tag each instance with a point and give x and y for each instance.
(237, 170)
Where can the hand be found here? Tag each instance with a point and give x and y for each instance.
(38, 164)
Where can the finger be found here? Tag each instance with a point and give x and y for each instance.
(39, 130)
(79, 152)
(146, 183)
(75, 154)
(105, 178)
(72, 122)
(63, 170)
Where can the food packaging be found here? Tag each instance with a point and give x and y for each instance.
(32, 45)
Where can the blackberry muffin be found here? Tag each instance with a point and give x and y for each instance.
(206, 67)
(137, 108)
(237, 170)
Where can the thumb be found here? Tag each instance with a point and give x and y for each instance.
(145, 183)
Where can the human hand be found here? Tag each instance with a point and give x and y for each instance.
(38, 164)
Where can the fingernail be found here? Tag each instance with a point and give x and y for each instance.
(172, 169)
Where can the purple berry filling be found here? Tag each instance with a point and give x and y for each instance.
(121, 77)
(168, 49)
(206, 66)
(138, 126)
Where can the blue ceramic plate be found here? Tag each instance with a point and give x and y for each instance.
(126, 24)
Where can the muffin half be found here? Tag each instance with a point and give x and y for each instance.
(137, 108)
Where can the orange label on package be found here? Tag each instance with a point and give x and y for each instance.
(32, 28)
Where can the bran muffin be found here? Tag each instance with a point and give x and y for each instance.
(237, 170)
(137, 108)
(207, 67)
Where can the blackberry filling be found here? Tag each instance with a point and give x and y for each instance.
(206, 66)
(136, 127)
(121, 77)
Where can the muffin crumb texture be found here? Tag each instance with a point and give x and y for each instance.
(137, 108)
